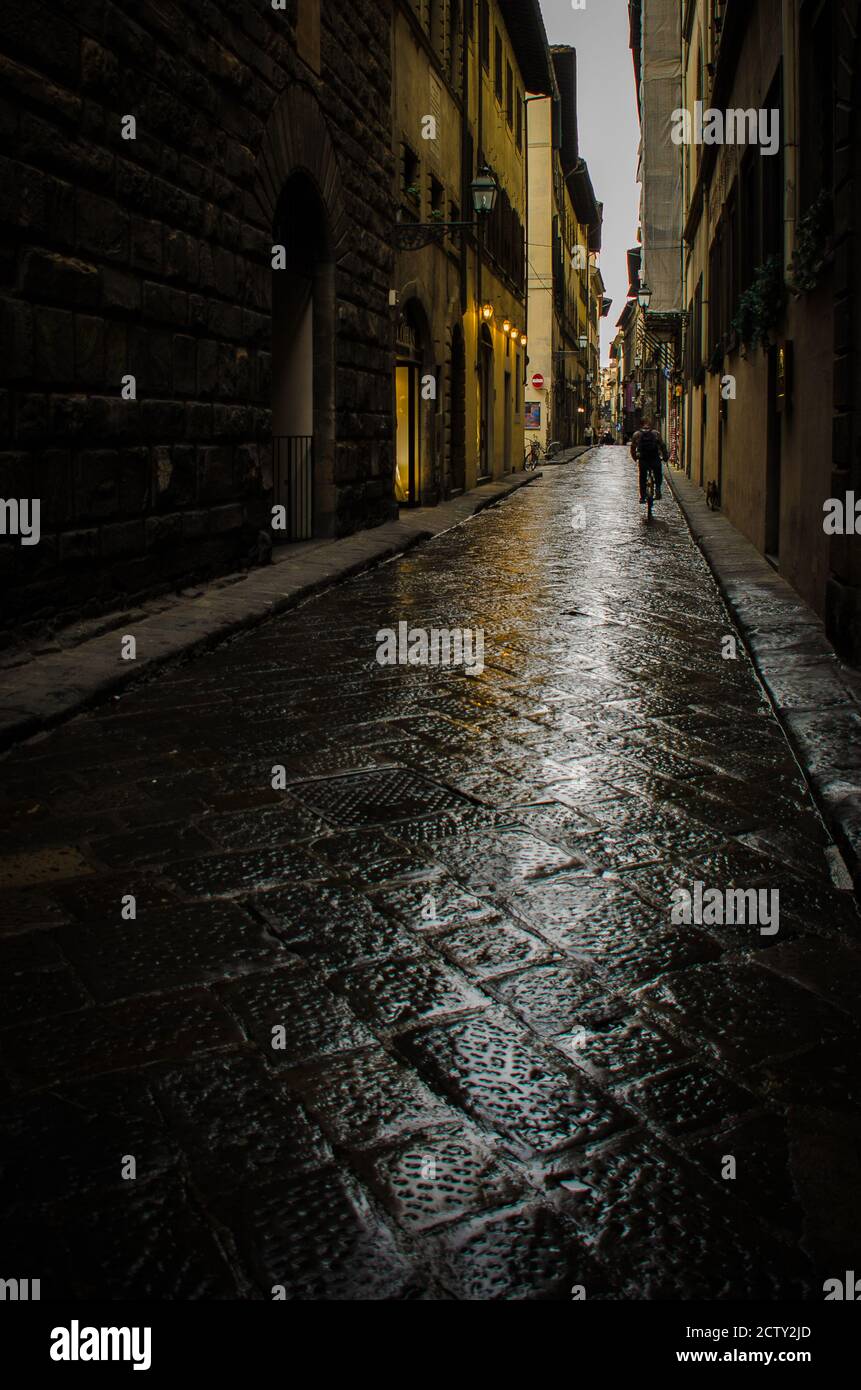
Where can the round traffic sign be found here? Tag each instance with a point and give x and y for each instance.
(538, 382)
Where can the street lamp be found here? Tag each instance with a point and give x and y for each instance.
(644, 295)
(484, 192)
(413, 236)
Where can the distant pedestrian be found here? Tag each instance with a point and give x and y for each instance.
(588, 435)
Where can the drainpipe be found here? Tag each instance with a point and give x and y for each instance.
(790, 126)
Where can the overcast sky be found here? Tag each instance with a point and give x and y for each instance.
(609, 131)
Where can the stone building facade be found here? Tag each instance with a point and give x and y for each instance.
(565, 223)
(152, 258)
(773, 399)
(462, 72)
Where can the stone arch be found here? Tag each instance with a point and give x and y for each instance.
(487, 400)
(298, 189)
(297, 140)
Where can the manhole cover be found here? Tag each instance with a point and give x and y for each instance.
(373, 798)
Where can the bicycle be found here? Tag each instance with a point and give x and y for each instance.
(533, 456)
(650, 493)
(536, 452)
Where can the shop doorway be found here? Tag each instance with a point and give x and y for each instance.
(458, 410)
(415, 405)
(507, 462)
(485, 460)
(773, 467)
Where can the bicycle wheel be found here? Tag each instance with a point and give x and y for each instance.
(650, 495)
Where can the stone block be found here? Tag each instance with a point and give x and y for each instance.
(16, 339)
(123, 538)
(198, 421)
(100, 70)
(120, 290)
(48, 277)
(228, 518)
(231, 421)
(164, 304)
(69, 415)
(174, 477)
(163, 421)
(96, 485)
(215, 474)
(207, 367)
(42, 36)
(36, 202)
(146, 244)
(163, 532)
(31, 417)
(90, 350)
(116, 353)
(102, 227)
(135, 465)
(50, 479)
(194, 524)
(184, 365)
(79, 545)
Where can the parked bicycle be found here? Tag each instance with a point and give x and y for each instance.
(533, 455)
(536, 452)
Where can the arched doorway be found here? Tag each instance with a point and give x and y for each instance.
(415, 398)
(303, 361)
(486, 394)
(457, 378)
(298, 191)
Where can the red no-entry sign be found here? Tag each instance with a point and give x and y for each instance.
(538, 382)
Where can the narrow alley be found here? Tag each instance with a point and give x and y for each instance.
(352, 981)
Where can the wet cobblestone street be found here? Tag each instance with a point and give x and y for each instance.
(419, 1025)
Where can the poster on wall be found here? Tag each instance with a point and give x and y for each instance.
(533, 415)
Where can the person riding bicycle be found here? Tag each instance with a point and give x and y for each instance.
(648, 449)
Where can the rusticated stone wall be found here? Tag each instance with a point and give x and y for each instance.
(152, 258)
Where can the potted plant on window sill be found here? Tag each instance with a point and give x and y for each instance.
(760, 307)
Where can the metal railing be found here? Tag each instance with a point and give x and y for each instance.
(293, 485)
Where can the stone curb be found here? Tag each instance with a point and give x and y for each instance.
(809, 689)
(56, 685)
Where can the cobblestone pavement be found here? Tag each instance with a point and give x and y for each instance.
(420, 1025)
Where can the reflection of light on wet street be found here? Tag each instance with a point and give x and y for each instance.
(413, 1018)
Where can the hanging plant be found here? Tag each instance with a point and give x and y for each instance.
(760, 307)
(812, 246)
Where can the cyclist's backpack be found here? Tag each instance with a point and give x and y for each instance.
(650, 447)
